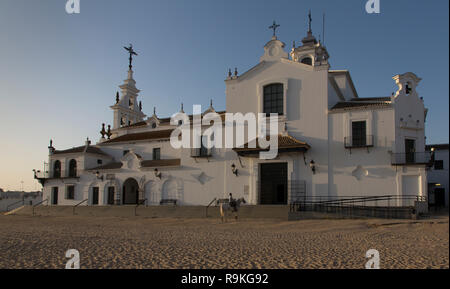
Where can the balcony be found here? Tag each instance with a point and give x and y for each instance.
(201, 152)
(406, 159)
(359, 142)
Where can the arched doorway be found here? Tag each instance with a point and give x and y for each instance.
(130, 192)
(152, 193)
(170, 190)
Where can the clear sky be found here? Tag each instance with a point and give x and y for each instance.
(59, 72)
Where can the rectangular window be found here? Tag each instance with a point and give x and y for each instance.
(70, 194)
(439, 165)
(359, 137)
(99, 162)
(156, 154)
(273, 99)
(410, 151)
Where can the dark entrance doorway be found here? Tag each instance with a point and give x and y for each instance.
(95, 191)
(273, 184)
(55, 196)
(130, 192)
(439, 197)
(111, 192)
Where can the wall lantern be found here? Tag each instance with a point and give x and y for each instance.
(312, 165)
(157, 173)
(234, 170)
(97, 174)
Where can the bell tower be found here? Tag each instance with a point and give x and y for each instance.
(311, 52)
(127, 109)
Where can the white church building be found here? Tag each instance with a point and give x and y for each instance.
(332, 143)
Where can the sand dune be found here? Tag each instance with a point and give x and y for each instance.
(41, 242)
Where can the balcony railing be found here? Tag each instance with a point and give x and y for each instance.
(201, 152)
(404, 159)
(358, 142)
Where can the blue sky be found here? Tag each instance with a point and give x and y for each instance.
(59, 72)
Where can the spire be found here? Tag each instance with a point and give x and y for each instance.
(182, 108)
(51, 149)
(309, 39)
(127, 108)
(310, 21)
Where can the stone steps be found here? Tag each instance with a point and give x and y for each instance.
(187, 212)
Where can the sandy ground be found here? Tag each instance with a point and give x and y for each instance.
(41, 242)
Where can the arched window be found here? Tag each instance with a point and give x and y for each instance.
(72, 168)
(57, 169)
(307, 60)
(274, 99)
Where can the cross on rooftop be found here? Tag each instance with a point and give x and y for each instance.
(274, 27)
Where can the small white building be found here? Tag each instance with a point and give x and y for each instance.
(438, 176)
(332, 142)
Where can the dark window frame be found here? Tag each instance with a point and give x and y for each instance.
(57, 169)
(72, 168)
(439, 165)
(156, 154)
(70, 192)
(273, 99)
(359, 133)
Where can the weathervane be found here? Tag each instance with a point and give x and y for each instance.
(131, 52)
(274, 27)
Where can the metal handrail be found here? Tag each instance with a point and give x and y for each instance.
(38, 204)
(359, 142)
(209, 205)
(79, 205)
(144, 201)
(354, 201)
(15, 203)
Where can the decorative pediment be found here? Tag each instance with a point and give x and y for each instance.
(131, 161)
(153, 121)
(407, 84)
(274, 50)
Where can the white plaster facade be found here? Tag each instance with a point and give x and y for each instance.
(319, 107)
